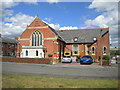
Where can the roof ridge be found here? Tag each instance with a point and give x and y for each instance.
(82, 29)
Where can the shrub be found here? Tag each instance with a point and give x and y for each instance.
(77, 58)
(106, 57)
(50, 55)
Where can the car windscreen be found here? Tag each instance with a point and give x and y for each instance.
(88, 57)
(66, 57)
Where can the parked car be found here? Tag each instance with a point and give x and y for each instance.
(115, 59)
(86, 60)
(67, 58)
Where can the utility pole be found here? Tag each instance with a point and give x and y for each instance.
(101, 47)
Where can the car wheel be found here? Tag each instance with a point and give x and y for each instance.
(70, 61)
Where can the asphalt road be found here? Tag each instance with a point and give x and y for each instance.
(62, 71)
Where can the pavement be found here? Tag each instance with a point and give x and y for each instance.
(62, 70)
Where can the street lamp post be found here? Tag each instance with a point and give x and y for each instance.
(101, 47)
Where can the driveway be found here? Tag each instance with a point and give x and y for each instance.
(61, 70)
(75, 63)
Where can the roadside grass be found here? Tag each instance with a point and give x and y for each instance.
(24, 81)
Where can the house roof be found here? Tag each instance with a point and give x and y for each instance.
(59, 37)
(83, 35)
(7, 40)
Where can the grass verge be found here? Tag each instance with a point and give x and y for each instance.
(23, 81)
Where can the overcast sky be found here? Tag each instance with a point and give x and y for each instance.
(60, 15)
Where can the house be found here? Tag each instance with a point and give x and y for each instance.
(39, 40)
(8, 47)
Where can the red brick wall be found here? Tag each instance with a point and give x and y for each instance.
(46, 32)
(28, 60)
(99, 46)
(105, 42)
(51, 47)
(68, 51)
(37, 23)
(81, 48)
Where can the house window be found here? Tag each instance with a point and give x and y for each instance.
(75, 49)
(104, 50)
(37, 53)
(26, 52)
(36, 38)
(93, 50)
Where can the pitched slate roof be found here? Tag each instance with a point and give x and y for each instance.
(55, 33)
(84, 35)
(7, 40)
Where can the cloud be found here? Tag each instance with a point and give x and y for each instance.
(68, 28)
(55, 26)
(52, 1)
(16, 25)
(108, 17)
(28, 1)
(103, 5)
(48, 19)
(8, 5)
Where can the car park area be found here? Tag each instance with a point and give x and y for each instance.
(77, 63)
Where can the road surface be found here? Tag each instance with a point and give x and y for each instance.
(62, 71)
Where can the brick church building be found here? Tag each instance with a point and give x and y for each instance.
(39, 40)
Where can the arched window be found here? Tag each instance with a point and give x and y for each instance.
(26, 52)
(104, 50)
(37, 53)
(36, 38)
(93, 50)
(75, 48)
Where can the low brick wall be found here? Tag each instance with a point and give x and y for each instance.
(28, 60)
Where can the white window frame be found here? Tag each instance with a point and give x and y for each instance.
(92, 50)
(26, 53)
(37, 54)
(36, 38)
(77, 49)
(103, 50)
